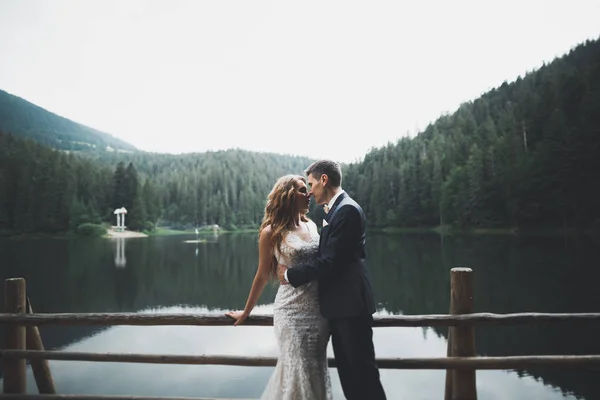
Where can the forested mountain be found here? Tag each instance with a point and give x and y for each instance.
(22, 118)
(42, 189)
(525, 154)
(228, 188)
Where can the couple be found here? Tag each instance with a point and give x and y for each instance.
(324, 289)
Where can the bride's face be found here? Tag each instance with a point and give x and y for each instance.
(302, 200)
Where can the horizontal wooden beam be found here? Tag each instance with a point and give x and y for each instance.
(99, 397)
(107, 319)
(514, 362)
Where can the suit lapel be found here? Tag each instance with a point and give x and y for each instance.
(328, 216)
(332, 208)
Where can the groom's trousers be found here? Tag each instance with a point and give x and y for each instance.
(352, 340)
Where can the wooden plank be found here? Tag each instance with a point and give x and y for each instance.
(99, 397)
(108, 319)
(464, 385)
(40, 367)
(14, 370)
(449, 372)
(513, 362)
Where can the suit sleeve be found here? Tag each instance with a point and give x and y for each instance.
(344, 233)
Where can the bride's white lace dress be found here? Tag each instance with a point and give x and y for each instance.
(302, 333)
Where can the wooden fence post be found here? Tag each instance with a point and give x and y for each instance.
(40, 367)
(461, 384)
(15, 369)
(449, 372)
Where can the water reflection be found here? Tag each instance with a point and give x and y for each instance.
(410, 276)
(203, 239)
(120, 260)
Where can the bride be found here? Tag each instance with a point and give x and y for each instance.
(288, 237)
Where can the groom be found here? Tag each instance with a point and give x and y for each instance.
(345, 295)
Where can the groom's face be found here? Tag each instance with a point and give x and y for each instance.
(316, 189)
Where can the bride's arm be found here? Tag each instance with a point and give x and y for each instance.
(263, 274)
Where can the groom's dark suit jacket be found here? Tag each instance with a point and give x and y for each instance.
(344, 287)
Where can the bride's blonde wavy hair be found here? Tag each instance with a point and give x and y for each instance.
(280, 211)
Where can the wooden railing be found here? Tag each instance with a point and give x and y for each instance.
(23, 342)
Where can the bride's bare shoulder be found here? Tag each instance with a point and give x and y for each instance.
(266, 233)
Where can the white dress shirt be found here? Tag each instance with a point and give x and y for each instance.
(334, 198)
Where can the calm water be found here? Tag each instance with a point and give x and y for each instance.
(410, 275)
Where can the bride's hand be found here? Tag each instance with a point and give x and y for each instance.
(238, 316)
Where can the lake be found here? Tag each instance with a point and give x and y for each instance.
(410, 275)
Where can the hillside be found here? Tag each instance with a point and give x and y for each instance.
(22, 118)
(525, 154)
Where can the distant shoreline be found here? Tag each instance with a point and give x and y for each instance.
(509, 231)
(440, 230)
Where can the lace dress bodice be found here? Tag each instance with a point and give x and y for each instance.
(295, 250)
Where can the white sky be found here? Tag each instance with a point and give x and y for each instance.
(288, 77)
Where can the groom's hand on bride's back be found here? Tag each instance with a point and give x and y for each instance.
(281, 274)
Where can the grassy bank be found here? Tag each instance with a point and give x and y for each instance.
(168, 232)
(172, 232)
(37, 235)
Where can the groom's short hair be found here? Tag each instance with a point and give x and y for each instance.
(327, 167)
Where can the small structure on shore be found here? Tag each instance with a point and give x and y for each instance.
(120, 213)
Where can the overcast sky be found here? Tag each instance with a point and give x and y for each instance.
(317, 78)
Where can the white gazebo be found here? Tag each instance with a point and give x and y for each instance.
(120, 213)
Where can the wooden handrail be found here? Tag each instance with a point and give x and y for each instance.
(461, 361)
(100, 397)
(437, 320)
(464, 363)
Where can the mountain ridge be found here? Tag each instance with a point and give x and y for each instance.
(23, 118)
